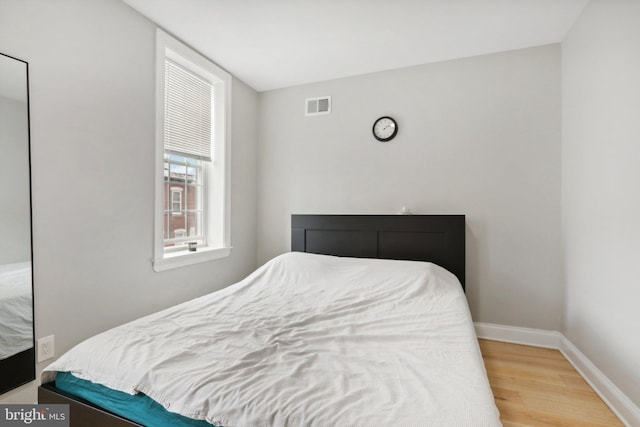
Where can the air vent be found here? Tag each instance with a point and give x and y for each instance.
(320, 105)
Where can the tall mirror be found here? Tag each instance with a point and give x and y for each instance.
(17, 350)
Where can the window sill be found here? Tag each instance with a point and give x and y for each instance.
(178, 259)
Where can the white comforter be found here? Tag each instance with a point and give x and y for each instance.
(16, 313)
(306, 340)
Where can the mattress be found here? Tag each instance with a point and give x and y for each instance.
(305, 340)
(16, 309)
(138, 407)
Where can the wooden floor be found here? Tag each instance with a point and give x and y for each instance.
(538, 387)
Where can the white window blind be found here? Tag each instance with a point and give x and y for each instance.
(187, 112)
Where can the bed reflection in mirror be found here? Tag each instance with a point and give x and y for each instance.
(17, 354)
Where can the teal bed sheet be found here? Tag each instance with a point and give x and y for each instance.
(139, 407)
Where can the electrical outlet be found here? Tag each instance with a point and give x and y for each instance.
(46, 348)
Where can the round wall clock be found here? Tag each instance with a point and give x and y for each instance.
(385, 129)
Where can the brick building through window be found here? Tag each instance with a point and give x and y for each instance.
(182, 200)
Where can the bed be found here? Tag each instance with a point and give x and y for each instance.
(17, 351)
(323, 335)
(16, 325)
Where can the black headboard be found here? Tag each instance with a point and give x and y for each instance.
(434, 238)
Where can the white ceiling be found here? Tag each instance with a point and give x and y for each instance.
(270, 44)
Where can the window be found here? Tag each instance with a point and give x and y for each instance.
(176, 201)
(193, 98)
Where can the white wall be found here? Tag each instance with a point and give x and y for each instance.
(478, 136)
(600, 188)
(92, 123)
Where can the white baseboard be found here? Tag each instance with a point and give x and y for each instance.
(619, 403)
(516, 335)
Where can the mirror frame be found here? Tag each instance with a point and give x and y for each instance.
(20, 368)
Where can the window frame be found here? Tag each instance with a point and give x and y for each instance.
(217, 198)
